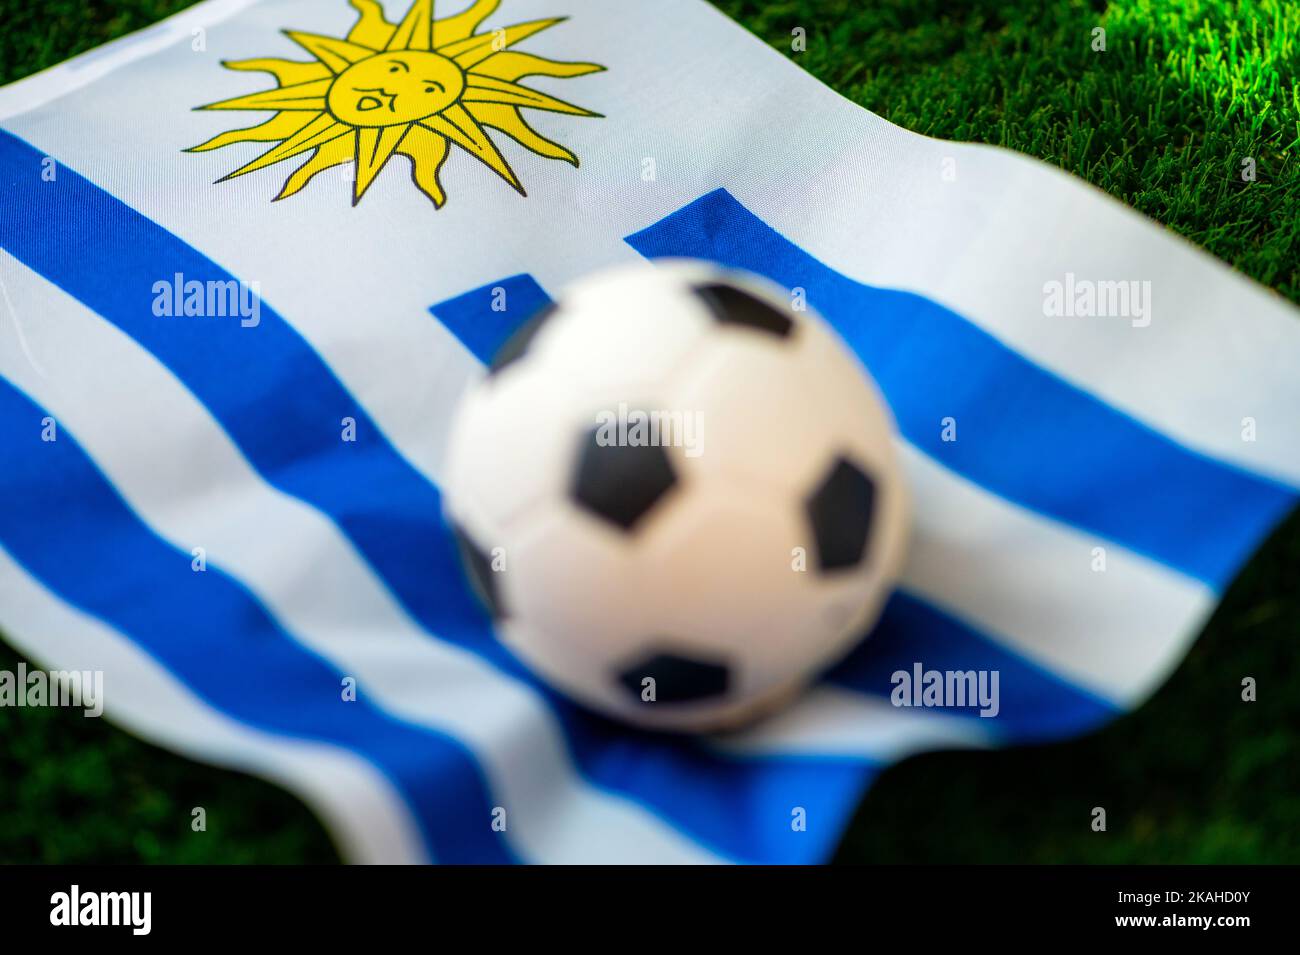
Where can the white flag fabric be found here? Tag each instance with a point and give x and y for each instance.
(227, 374)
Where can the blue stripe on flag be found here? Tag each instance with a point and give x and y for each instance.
(494, 312)
(1035, 704)
(281, 405)
(1022, 432)
(73, 531)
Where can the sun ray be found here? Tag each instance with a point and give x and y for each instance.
(338, 55)
(510, 121)
(278, 127)
(463, 25)
(414, 88)
(513, 65)
(374, 148)
(288, 72)
(486, 89)
(463, 130)
(316, 133)
(336, 152)
(470, 52)
(427, 152)
(300, 96)
(415, 32)
(372, 29)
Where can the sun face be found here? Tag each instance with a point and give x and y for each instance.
(395, 89)
(412, 89)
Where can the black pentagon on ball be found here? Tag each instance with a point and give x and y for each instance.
(677, 679)
(734, 306)
(841, 510)
(517, 344)
(478, 567)
(620, 483)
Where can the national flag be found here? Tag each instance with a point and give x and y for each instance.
(238, 312)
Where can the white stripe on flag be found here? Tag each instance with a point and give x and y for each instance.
(833, 721)
(1027, 582)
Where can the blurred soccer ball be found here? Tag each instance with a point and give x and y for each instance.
(678, 495)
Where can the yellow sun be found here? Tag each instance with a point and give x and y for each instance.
(413, 88)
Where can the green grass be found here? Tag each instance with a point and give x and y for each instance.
(1161, 120)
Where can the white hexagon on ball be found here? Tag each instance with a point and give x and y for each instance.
(694, 492)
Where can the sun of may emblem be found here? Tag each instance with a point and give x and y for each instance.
(415, 89)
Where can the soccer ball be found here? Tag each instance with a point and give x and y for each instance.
(678, 495)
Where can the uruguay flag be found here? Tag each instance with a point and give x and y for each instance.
(241, 300)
